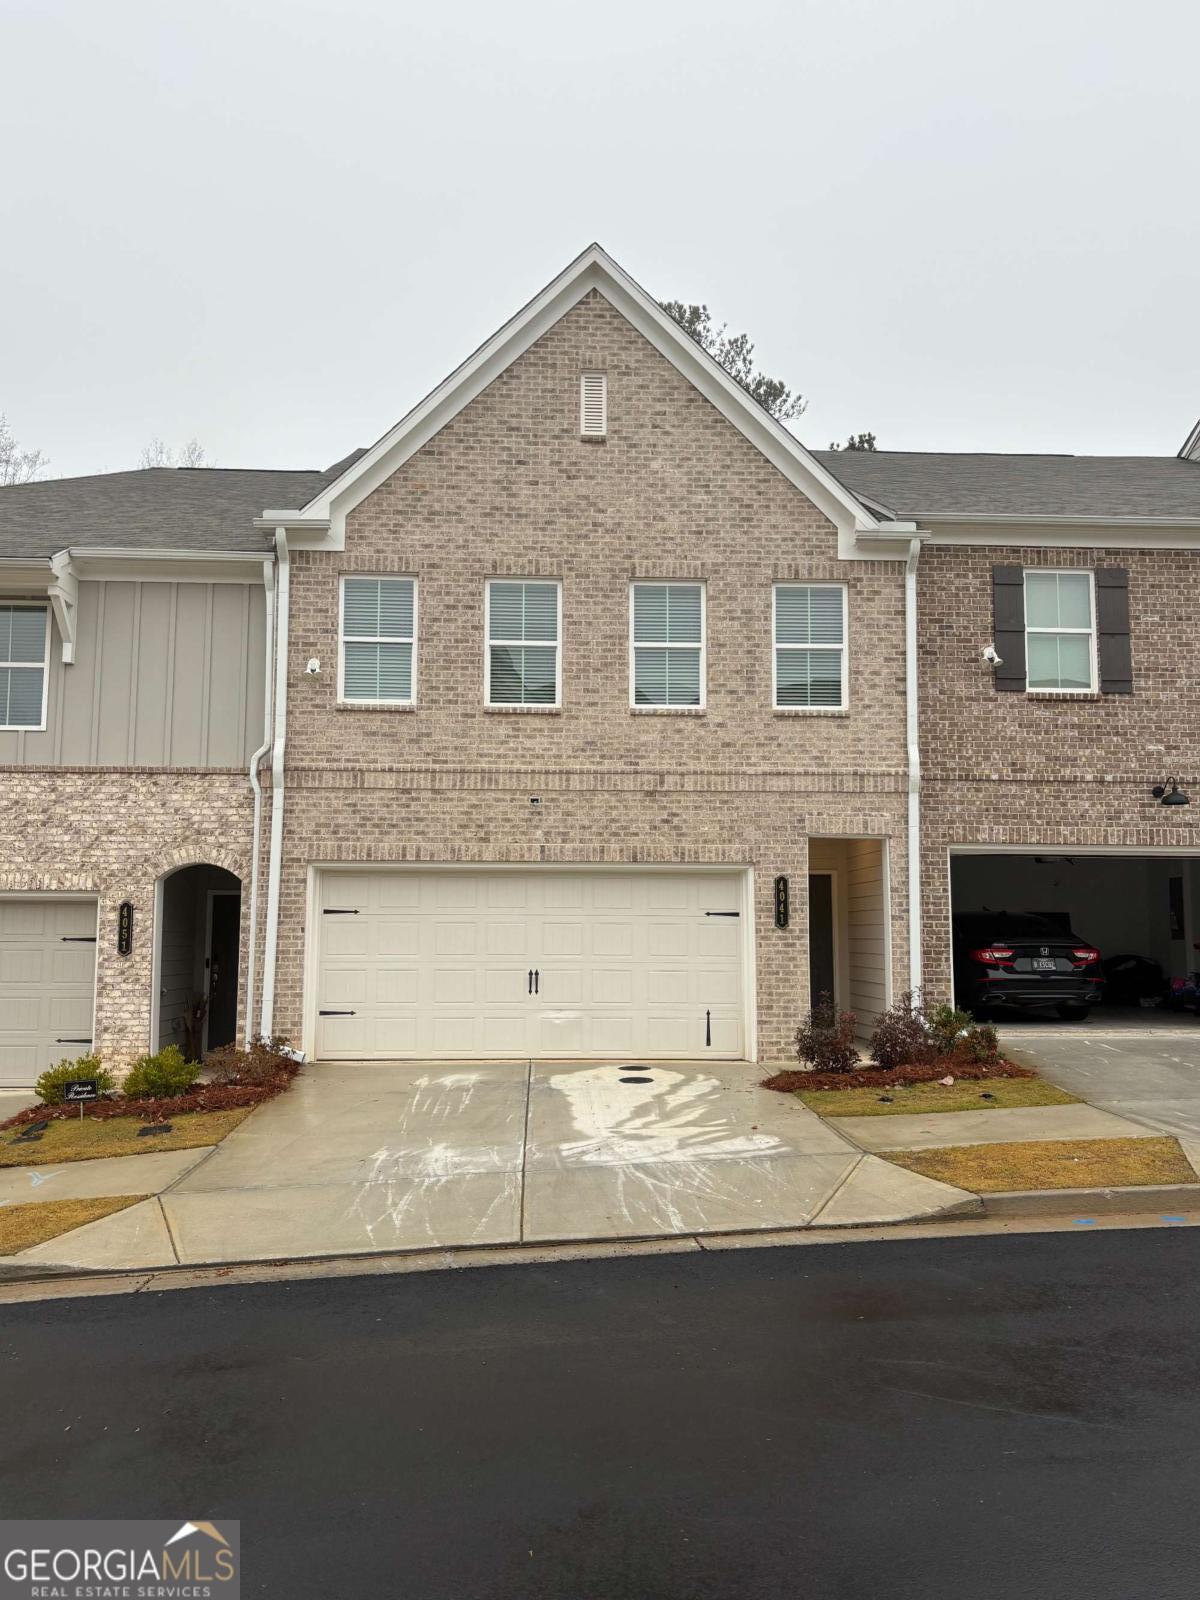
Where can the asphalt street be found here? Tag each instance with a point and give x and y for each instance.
(976, 1417)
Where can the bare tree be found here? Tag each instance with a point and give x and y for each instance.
(159, 454)
(735, 352)
(17, 465)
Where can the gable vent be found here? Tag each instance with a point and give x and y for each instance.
(593, 405)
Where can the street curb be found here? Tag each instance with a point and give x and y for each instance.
(1171, 1197)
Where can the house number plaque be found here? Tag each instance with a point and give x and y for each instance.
(125, 928)
(781, 902)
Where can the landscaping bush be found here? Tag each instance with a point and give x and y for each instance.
(262, 1062)
(826, 1040)
(947, 1026)
(160, 1076)
(978, 1046)
(902, 1036)
(49, 1086)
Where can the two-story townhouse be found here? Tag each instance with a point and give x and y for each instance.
(1053, 778)
(135, 656)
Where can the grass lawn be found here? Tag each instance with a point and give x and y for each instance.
(902, 1099)
(23, 1226)
(1051, 1164)
(86, 1140)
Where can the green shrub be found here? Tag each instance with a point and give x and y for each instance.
(50, 1085)
(161, 1075)
(980, 1045)
(826, 1040)
(948, 1027)
(902, 1037)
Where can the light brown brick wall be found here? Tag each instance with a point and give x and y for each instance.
(113, 833)
(1007, 768)
(508, 488)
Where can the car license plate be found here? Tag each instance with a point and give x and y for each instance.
(1040, 965)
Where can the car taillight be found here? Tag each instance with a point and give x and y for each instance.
(993, 956)
(1086, 955)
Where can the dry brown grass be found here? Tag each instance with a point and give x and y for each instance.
(1051, 1164)
(87, 1138)
(23, 1226)
(996, 1094)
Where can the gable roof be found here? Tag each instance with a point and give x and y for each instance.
(155, 508)
(596, 270)
(945, 486)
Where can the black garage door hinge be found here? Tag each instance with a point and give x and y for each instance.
(78, 938)
(722, 913)
(337, 1013)
(336, 911)
(72, 1041)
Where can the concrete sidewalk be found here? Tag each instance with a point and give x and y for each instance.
(1025, 1125)
(386, 1157)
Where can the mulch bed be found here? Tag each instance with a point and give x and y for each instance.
(789, 1080)
(205, 1097)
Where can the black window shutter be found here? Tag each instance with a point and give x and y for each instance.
(1008, 626)
(1112, 630)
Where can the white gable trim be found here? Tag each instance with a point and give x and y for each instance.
(325, 516)
(1191, 445)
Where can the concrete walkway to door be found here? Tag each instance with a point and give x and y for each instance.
(365, 1157)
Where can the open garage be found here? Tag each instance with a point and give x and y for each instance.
(1141, 912)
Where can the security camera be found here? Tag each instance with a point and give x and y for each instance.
(990, 656)
(313, 667)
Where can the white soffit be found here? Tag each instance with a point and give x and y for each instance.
(594, 269)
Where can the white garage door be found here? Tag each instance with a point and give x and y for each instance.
(520, 964)
(47, 984)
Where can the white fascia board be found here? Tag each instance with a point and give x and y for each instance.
(1191, 445)
(24, 573)
(304, 532)
(1064, 533)
(170, 566)
(890, 540)
(594, 269)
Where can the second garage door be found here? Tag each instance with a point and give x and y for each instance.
(47, 984)
(530, 964)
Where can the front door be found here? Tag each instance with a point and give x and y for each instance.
(224, 942)
(822, 978)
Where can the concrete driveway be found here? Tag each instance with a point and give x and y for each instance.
(1149, 1074)
(365, 1157)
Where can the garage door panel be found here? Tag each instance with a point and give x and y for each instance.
(627, 962)
(47, 983)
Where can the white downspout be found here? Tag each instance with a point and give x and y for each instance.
(913, 732)
(275, 860)
(256, 786)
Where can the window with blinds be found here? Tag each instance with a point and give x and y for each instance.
(24, 642)
(667, 644)
(523, 657)
(379, 634)
(810, 646)
(1060, 632)
(593, 405)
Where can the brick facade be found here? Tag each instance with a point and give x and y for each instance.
(508, 488)
(112, 833)
(1009, 769)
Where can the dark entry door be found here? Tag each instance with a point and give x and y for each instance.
(223, 969)
(821, 976)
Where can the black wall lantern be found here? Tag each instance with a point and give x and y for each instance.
(1170, 794)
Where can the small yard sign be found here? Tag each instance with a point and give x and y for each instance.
(125, 928)
(81, 1089)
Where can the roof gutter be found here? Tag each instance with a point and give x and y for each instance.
(275, 859)
(256, 786)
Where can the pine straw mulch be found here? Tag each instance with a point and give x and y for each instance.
(791, 1080)
(205, 1097)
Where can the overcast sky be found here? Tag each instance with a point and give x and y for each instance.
(276, 226)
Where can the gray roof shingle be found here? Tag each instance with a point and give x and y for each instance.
(167, 508)
(935, 484)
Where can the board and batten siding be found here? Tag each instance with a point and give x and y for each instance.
(866, 918)
(165, 675)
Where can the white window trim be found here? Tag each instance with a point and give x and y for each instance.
(810, 711)
(488, 641)
(1091, 633)
(29, 727)
(362, 638)
(649, 644)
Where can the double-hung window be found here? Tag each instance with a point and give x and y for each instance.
(24, 658)
(809, 668)
(523, 657)
(667, 645)
(379, 633)
(1060, 632)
